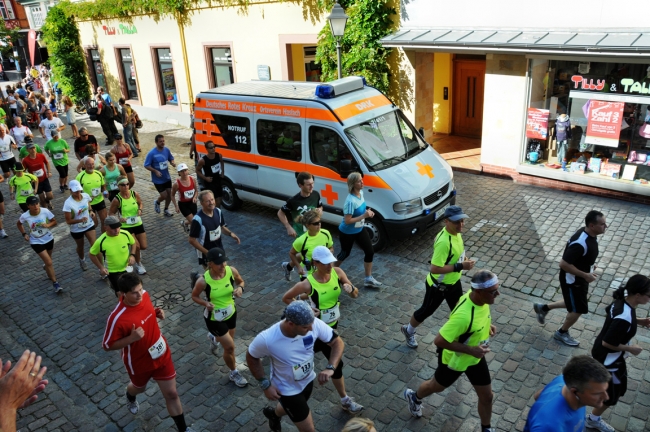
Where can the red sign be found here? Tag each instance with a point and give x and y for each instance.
(31, 44)
(604, 123)
(537, 123)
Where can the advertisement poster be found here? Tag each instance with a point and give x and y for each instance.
(604, 123)
(537, 123)
(169, 85)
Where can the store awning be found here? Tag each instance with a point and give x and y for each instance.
(606, 43)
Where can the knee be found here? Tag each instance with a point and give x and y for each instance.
(342, 255)
(228, 350)
(170, 394)
(369, 255)
(487, 399)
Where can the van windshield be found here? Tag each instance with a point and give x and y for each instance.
(386, 140)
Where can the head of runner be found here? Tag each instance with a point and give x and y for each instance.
(75, 189)
(113, 225)
(299, 318)
(183, 171)
(485, 288)
(454, 219)
(306, 183)
(130, 285)
(206, 199)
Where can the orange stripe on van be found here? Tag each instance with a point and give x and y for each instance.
(289, 111)
(362, 105)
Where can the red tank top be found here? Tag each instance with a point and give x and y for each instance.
(186, 193)
(123, 158)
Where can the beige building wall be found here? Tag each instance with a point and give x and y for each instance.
(443, 68)
(424, 82)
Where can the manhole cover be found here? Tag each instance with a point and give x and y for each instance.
(168, 301)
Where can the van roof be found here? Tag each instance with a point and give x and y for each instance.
(279, 89)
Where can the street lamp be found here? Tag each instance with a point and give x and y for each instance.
(338, 19)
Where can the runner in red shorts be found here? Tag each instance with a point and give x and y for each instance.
(132, 327)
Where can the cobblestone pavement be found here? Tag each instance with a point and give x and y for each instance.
(517, 231)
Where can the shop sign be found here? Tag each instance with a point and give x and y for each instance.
(604, 123)
(120, 30)
(537, 123)
(629, 85)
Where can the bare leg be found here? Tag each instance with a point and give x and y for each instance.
(428, 388)
(168, 390)
(102, 216)
(367, 268)
(228, 345)
(557, 305)
(46, 256)
(339, 385)
(80, 247)
(485, 398)
(571, 318)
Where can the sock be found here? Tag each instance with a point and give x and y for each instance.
(368, 277)
(232, 372)
(593, 417)
(563, 331)
(545, 308)
(345, 399)
(129, 397)
(410, 329)
(180, 422)
(484, 427)
(417, 399)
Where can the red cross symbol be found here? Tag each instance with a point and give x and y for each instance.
(425, 169)
(329, 195)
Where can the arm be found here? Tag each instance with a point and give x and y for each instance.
(70, 221)
(199, 287)
(537, 393)
(199, 171)
(350, 220)
(239, 283)
(174, 190)
(632, 349)
(475, 351)
(346, 284)
(80, 166)
(196, 245)
(49, 169)
(296, 258)
(337, 346)
(298, 289)
(139, 201)
(223, 167)
(230, 233)
(136, 335)
(450, 268)
(192, 146)
(283, 218)
(99, 264)
(571, 269)
(40, 128)
(112, 210)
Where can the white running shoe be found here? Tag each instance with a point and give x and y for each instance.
(237, 378)
(371, 282)
(351, 406)
(3, 234)
(415, 407)
(83, 265)
(134, 406)
(287, 272)
(410, 338)
(140, 268)
(214, 344)
(599, 425)
(156, 206)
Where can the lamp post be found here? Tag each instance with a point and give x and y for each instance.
(338, 19)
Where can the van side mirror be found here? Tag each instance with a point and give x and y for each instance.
(421, 131)
(346, 168)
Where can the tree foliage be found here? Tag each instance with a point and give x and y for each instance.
(61, 35)
(8, 37)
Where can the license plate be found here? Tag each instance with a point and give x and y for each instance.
(440, 212)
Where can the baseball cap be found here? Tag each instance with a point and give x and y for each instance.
(113, 222)
(181, 167)
(32, 200)
(118, 136)
(30, 145)
(454, 213)
(54, 133)
(322, 255)
(217, 256)
(75, 186)
(299, 312)
(28, 139)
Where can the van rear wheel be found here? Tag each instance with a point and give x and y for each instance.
(378, 236)
(230, 200)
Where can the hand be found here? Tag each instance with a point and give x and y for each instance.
(19, 386)
(49, 174)
(123, 220)
(590, 277)
(325, 376)
(238, 292)
(208, 179)
(233, 235)
(370, 213)
(468, 264)
(478, 351)
(194, 200)
(103, 271)
(634, 350)
(158, 173)
(347, 288)
(177, 209)
(26, 237)
(493, 330)
(131, 260)
(172, 163)
(84, 219)
(191, 155)
(160, 314)
(291, 232)
(272, 393)
(316, 312)
(644, 322)
(44, 136)
(209, 306)
(137, 333)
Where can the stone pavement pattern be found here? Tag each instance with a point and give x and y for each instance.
(517, 231)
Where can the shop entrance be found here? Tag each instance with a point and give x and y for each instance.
(467, 111)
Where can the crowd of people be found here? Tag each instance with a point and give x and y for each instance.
(102, 196)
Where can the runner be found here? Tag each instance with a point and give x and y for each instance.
(57, 148)
(123, 156)
(22, 154)
(19, 132)
(157, 161)
(94, 185)
(132, 328)
(80, 143)
(3, 234)
(188, 193)
(463, 342)
(7, 158)
(211, 170)
(303, 247)
(221, 283)
(352, 230)
(206, 228)
(306, 199)
(447, 263)
(38, 165)
(91, 152)
(39, 221)
(79, 216)
(111, 171)
(113, 252)
(22, 185)
(49, 124)
(290, 346)
(127, 206)
(322, 288)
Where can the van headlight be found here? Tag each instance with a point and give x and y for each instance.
(408, 207)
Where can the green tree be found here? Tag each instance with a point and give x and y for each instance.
(63, 41)
(8, 37)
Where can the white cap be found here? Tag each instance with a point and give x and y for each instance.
(75, 186)
(322, 255)
(181, 167)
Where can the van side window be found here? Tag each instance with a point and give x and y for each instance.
(235, 132)
(279, 139)
(327, 148)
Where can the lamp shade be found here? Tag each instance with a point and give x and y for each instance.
(337, 19)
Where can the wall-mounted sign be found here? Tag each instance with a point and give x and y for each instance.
(627, 85)
(604, 123)
(263, 72)
(119, 30)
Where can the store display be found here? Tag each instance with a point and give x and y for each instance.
(610, 169)
(594, 165)
(628, 172)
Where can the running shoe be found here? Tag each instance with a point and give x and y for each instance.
(599, 425)
(57, 287)
(3, 234)
(214, 344)
(168, 213)
(274, 420)
(410, 338)
(129, 269)
(140, 268)
(185, 226)
(565, 339)
(62, 189)
(156, 206)
(371, 282)
(237, 378)
(415, 407)
(189, 429)
(66, 187)
(287, 272)
(351, 406)
(83, 265)
(541, 313)
(134, 406)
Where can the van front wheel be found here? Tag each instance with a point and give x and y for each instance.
(230, 200)
(378, 236)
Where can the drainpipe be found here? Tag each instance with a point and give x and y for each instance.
(181, 31)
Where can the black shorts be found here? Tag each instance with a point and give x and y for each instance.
(23, 206)
(38, 248)
(220, 328)
(617, 391)
(296, 406)
(187, 208)
(216, 187)
(163, 186)
(99, 206)
(63, 170)
(8, 165)
(575, 297)
(434, 297)
(44, 187)
(113, 278)
(2, 198)
(478, 375)
(80, 235)
(135, 230)
(112, 195)
(127, 168)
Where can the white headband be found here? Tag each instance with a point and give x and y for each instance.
(487, 284)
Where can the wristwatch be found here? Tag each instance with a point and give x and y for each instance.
(265, 383)
(330, 367)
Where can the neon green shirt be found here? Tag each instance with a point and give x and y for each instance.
(23, 151)
(305, 244)
(219, 292)
(59, 157)
(23, 186)
(116, 250)
(447, 249)
(325, 295)
(92, 184)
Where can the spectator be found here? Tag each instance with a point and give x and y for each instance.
(105, 117)
(80, 143)
(68, 108)
(128, 123)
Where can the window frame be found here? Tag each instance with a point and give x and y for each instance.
(341, 143)
(120, 69)
(209, 62)
(160, 90)
(291, 124)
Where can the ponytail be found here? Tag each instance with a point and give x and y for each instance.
(637, 284)
(308, 217)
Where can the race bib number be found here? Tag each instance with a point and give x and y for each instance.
(216, 168)
(215, 234)
(330, 315)
(303, 370)
(84, 224)
(223, 314)
(158, 349)
(189, 194)
(124, 161)
(26, 192)
(163, 165)
(4, 147)
(39, 173)
(112, 185)
(95, 191)
(132, 220)
(39, 232)
(57, 156)
(359, 224)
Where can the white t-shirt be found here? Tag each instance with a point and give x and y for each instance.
(290, 356)
(50, 125)
(38, 234)
(79, 210)
(12, 102)
(5, 148)
(19, 134)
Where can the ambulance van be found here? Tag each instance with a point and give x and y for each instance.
(269, 131)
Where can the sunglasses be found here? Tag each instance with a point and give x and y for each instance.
(125, 184)
(493, 293)
(83, 136)
(210, 148)
(315, 223)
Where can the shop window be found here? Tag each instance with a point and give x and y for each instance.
(590, 119)
(279, 139)
(231, 132)
(221, 67)
(127, 73)
(6, 10)
(166, 81)
(327, 148)
(97, 69)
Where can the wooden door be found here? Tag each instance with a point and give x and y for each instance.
(469, 83)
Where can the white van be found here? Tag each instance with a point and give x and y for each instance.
(269, 131)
